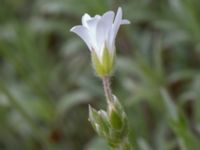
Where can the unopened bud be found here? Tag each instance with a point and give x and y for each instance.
(116, 114)
(99, 121)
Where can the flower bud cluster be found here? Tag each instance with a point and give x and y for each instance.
(111, 125)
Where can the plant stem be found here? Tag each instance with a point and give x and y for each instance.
(107, 89)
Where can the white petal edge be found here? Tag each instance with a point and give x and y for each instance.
(117, 22)
(83, 33)
(103, 28)
(92, 25)
(114, 30)
(125, 21)
(85, 18)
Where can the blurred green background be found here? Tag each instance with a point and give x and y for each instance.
(47, 81)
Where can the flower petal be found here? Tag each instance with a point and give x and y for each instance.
(97, 16)
(115, 28)
(125, 21)
(92, 25)
(83, 32)
(117, 22)
(99, 32)
(103, 28)
(85, 18)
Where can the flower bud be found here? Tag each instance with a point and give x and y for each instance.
(99, 121)
(117, 115)
(112, 125)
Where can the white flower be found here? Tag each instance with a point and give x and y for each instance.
(99, 33)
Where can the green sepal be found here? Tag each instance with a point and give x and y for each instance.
(103, 68)
(97, 65)
(107, 61)
(117, 115)
(115, 119)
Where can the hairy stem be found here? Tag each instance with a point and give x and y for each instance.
(112, 124)
(107, 89)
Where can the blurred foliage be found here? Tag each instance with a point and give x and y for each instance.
(46, 80)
